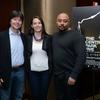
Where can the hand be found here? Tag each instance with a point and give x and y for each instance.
(1, 81)
(71, 81)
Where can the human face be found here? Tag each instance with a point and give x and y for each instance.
(37, 25)
(62, 21)
(16, 23)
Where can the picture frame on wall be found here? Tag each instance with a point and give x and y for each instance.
(86, 20)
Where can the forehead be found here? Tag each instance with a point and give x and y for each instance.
(36, 20)
(62, 16)
(17, 17)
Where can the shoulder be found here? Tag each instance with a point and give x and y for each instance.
(76, 34)
(23, 35)
(6, 31)
(76, 37)
(47, 36)
(3, 33)
(29, 38)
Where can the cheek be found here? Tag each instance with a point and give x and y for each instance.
(12, 24)
(40, 26)
(66, 24)
(58, 24)
(33, 26)
(21, 22)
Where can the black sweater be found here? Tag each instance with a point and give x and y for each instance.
(68, 53)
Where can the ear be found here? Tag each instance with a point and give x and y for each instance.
(56, 22)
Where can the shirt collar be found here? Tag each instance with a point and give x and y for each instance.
(13, 33)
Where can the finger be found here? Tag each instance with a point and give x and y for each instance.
(1, 80)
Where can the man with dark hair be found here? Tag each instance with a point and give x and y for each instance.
(68, 58)
(12, 59)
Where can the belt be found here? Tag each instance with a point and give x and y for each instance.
(16, 68)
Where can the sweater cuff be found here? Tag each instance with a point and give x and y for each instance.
(74, 75)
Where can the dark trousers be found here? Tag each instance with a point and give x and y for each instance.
(63, 90)
(39, 85)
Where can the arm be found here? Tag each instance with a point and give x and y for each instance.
(79, 49)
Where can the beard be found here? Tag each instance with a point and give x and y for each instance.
(63, 28)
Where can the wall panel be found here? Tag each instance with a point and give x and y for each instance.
(6, 6)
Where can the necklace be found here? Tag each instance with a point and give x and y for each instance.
(37, 39)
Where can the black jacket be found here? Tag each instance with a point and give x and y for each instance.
(5, 56)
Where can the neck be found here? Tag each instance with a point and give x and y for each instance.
(67, 29)
(38, 36)
(14, 30)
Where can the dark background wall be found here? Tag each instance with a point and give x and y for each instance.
(31, 8)
(86, 2)
(6, 6)
(48, 10)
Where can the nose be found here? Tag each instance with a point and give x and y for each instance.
(62, 23)
(17, 21)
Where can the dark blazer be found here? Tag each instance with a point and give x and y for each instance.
(5, 56)
(47, 46)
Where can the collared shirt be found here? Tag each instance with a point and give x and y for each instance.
(17, 55)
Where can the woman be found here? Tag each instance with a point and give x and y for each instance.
(40, 56)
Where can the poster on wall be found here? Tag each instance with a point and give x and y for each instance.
(87, 21)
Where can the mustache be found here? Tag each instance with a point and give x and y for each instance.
(61, 26)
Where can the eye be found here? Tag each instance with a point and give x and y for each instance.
(59, 20)
(65, 20)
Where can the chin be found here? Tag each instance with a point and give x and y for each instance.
(62, 29)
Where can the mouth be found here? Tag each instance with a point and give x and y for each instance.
(62, 27)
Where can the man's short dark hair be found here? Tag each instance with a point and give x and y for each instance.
(16, 13)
